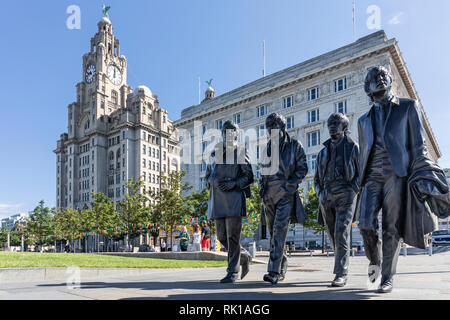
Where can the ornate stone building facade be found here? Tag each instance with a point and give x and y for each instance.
(306, 94)
(114, 133)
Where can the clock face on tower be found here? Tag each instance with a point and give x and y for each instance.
(114, 74)
(89, 76)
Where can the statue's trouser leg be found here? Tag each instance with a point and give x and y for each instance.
(388, 195)
(229, 233)
(394, 193)
(338, 219)
(371, 201)
(277, 217)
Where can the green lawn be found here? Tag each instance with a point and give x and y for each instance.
(31, 259)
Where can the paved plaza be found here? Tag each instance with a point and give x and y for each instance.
(418, 277)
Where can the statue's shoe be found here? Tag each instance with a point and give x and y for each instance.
(229, 278)
(339, 281)
(272, 277)
(386, 286)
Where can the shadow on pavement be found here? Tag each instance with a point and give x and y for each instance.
(341, 294)
(321, 290)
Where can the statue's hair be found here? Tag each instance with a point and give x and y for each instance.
(343, 119)
(371, 74)
(229, 125)
(277, 118)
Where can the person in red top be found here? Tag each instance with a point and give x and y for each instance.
(206, 235)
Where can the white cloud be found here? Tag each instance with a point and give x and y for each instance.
(8, 209)
(397, 18)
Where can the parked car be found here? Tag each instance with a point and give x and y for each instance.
(441, 238)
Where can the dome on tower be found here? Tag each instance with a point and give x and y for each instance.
(106, 20)
(101, 45)
(209, 93)
(143, 90)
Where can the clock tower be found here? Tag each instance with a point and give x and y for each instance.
(114, 133)
(104, 80)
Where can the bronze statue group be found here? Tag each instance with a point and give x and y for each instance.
(388, 170)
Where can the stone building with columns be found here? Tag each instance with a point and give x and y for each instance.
(306, 94)
(114, 133)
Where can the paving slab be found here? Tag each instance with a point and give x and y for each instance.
(419, 277)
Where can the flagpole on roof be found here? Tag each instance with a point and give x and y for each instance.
(354, 20)
(199, 94)
(264, 58)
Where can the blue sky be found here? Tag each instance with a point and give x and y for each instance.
(169, 44)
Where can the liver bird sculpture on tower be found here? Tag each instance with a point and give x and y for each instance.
(105, 10)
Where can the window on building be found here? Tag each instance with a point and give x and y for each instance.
(114, 97)
(340, 84)
(313, 138)
(288, 102)
(203, 183)
(261, 111)
(313, 115)
(144, 163)
(341, 107)
(164, 168)
(290, 122)
(312, 162)
(219, 124)
(203, 129)
(203, 168)
(143, 149)
(313, 93)
(143, 110)
(237, 118)
(204, 144)
(102, 104)
(260, 130)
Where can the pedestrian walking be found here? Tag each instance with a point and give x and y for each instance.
(206, 235)
(184, 239)
(197, 238)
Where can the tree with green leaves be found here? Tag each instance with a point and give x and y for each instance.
(68, 222)
(134, 208)
(311, 208)
(171, 207)
(254, 207)
(39, 223)
(103, 215)
(200, 207)
(14, 237)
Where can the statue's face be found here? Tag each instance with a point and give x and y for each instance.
(380, 86)
(274, 125)
(336, 129)
(229, 135)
